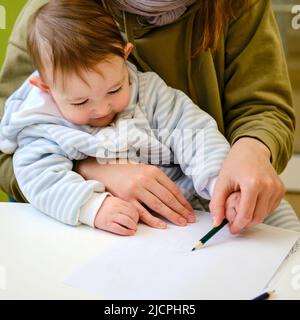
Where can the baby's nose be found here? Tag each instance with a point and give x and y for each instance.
(100, 112)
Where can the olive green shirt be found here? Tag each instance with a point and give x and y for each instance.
(244, 84)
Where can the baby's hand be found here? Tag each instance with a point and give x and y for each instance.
(117, 216)
(232, 203)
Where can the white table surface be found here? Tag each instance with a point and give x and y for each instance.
(37, 253)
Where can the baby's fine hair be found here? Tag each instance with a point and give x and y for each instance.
(72, 35)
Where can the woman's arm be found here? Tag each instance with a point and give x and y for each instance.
(258, 114)
(144, 186)
(257, 91)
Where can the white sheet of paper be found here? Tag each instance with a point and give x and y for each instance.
(159, 264)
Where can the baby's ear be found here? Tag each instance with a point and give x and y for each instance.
(127, 49)
(37, 81)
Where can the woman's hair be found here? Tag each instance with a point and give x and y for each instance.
(214, 15)
(73, 36)
(212, 18)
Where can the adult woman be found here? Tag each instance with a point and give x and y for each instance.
(227, 56)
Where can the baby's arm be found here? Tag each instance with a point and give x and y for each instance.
(191, 134)
(46, 178)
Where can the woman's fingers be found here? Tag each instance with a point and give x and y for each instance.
(171, 186)
(277, 190)
(267, 201)
(218, 202)
(170, 201)
(159, 207)
(148, 218)
(245, 209)
(261, 210)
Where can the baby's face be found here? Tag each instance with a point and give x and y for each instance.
(99, 98)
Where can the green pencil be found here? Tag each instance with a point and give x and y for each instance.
(212, 232)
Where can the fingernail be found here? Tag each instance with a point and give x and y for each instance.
(215, 222)
(182, 221)
(191, 218)
(163, 225)
(233, 231)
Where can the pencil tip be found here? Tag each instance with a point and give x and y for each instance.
(197, 246)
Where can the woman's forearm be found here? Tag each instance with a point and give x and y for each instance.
(257, 96)
(88, 169)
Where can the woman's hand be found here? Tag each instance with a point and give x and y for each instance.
(142, 184)
(247, 169)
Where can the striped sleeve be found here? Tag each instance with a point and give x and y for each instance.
(45, 176)
(192, 134)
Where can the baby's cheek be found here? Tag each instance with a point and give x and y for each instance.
(77, 118)
(72, 115)
(123, 103)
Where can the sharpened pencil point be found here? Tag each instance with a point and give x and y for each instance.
(197, 246)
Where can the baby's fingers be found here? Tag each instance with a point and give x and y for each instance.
(231, 206)
(131, 211)
(148, 218)
(118, 229)
(125, 221)
(230, 214)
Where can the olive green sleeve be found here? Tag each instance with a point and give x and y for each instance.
(16, 68)
(257, 95)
